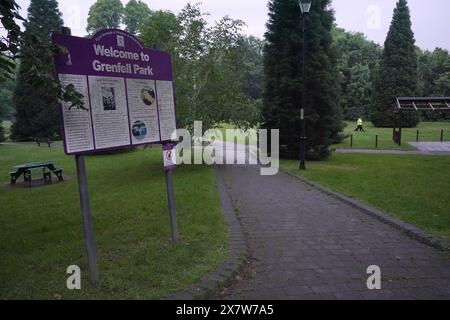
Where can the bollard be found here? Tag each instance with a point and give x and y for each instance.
(376, 142)
(442, 135)
(417, 136)
(351, 141)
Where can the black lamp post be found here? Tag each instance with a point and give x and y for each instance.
(305, 7)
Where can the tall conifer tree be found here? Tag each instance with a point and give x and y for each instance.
(398, 74)
(284, 78)
(37, 113)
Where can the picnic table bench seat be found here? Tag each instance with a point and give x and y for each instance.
(48, 168)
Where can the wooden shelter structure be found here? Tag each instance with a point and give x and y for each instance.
(415, 104)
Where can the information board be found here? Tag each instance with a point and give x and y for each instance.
(127, 89)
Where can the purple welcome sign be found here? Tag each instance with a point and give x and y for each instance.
(127, 89)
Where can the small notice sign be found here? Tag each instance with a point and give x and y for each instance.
(127, 89)
(170, 161)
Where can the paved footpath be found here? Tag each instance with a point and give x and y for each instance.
(423, 148)
(307, 245)
(432, 147)
(377, 151)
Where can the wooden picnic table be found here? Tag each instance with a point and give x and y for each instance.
(48, 168)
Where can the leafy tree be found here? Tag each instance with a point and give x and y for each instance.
(252, 55)
(162, 30)
(227, 70)
(440, 64)
(35, 63)
(284, 81)
(5, 98)
(5, 104)
(104, 14)
(135, 13)
(433, 65)
(9, 44)
(426, 74)
(36, 103)
(434, 71)
(358, 62)
(210, 73)
(6, 108)
(359, 91)
(398, 73)
(442, 84)
(2, 133)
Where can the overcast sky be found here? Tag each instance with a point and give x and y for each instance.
(430, 18)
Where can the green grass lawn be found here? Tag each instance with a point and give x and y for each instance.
(429, 131)
(413, 188)
(41, 228)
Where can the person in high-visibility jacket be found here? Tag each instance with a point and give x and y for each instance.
(360, 125)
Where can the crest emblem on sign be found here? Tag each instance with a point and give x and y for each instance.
(69, 59)
(121, 41)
